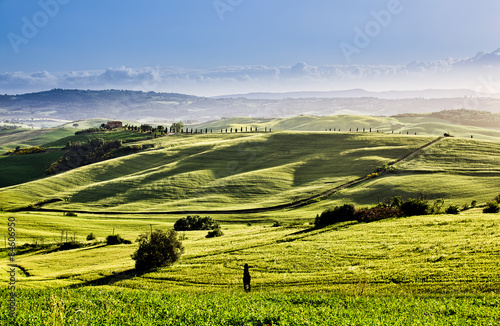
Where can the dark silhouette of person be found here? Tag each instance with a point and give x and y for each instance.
(246, 279)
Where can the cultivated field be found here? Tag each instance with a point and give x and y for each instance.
(420, 270)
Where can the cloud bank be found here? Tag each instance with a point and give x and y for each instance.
(480, 72)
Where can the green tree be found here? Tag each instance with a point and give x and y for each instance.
(157, 249)
(177, 126)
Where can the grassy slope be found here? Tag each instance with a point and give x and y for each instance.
(9, 139)
(19, 169)
(219, 171)
(122, 134)
(412, 125)
(23, 168)
(445, 254)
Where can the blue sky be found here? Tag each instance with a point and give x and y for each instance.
(94, 35)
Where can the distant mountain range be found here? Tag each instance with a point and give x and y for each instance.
(358, 93)
(74, 105)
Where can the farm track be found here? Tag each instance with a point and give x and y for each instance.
(296, 204)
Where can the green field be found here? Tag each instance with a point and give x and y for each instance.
(420, 125)
(108, 135)
(219, 171)
(438, 270)
(420, 270)
(9, 139)
(23, 168)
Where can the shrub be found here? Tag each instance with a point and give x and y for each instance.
(396, 202)
(70, 245)
(215, 233)
(29, 150)
(277, 224)
(497, 199)
(413, 207)
(436, 207)
(116, 239)
(70, 214)
(376, 213)
(491, 207)
(452, 209)
(465, 207)
(337, 214)
(91, 237)
(473, 203)
(195, 222)
(157, 249)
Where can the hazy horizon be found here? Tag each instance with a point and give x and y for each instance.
(220, 47)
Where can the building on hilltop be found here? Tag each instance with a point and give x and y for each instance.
(114, 124)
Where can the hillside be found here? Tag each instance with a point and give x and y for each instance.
(433, 268)
(218, 170)
(424, 124)
(59, 106)
(252, 170)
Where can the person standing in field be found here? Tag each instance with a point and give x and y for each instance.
(246, 278)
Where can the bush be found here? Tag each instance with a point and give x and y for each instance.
(195, 222)
(157, 249)
(90, 237)
(437, 207)
(491, 207)
(116, 239)
(377, 213)
(497, 199)
(214, 233)
(335, 215)
(277, 224)
(70, 214)
(452, 209)
(473, 203)
(29, 150)
(413, 207)
(70, 245)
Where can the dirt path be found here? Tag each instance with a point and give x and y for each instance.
(299, 203)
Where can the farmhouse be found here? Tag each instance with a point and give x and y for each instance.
(114, 124)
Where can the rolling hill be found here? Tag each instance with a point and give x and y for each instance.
(253, 170)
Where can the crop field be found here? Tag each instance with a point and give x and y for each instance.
(435, 270)
(19, 169)
(421, 270)
(123, 135)
(219, 171)
(426, 126)
(9, 139)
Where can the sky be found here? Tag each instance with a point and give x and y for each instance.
(209, 47)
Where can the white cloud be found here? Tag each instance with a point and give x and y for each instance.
(449, 73)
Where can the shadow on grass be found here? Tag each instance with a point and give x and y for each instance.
(112, 279)
(323, 229)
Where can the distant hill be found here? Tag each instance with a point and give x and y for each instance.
(358, 93)
(464, 117)
(71, 105)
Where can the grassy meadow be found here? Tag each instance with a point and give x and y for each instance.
(186, 172)
(432, 270)
(421, 270)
